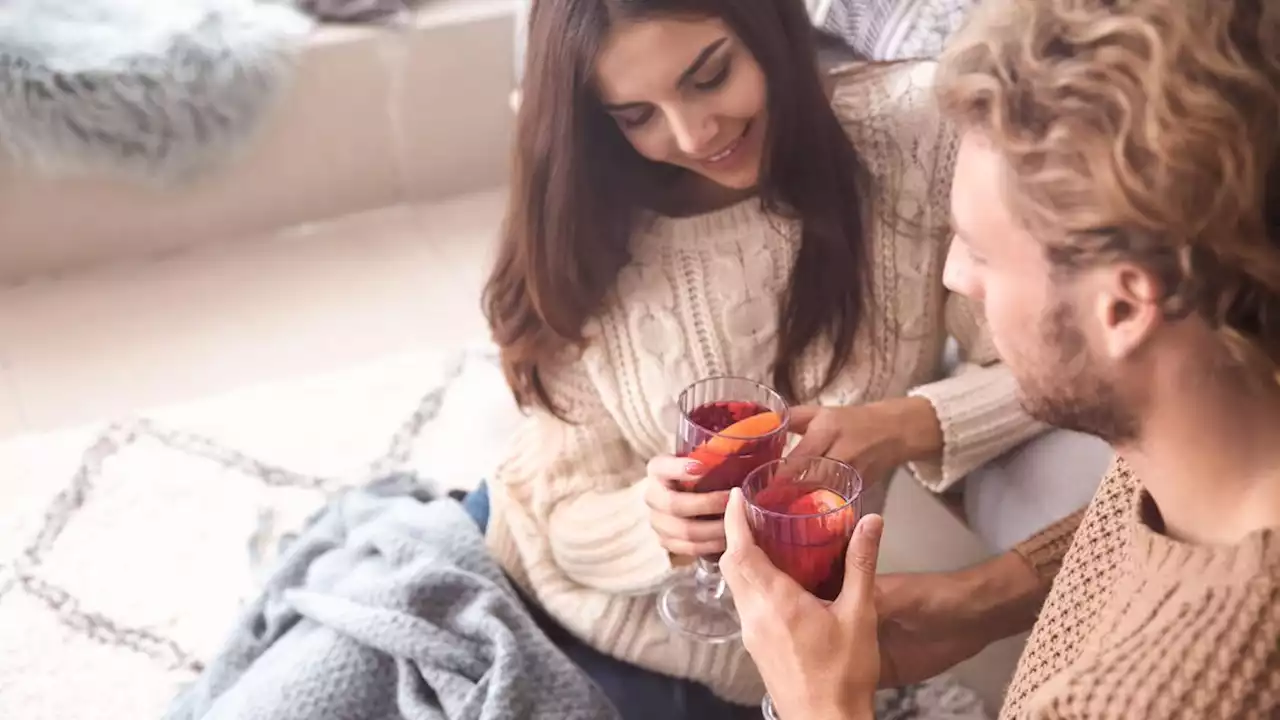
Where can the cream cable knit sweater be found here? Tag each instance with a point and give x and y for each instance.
(698, 299)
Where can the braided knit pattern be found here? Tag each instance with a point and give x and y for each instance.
(700, 298)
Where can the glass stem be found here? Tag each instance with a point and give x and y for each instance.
(710, 583)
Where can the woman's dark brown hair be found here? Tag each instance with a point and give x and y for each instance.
(578, 188)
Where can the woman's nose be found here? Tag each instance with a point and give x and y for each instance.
(693, 132)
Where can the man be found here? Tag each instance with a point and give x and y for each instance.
(1117, 212)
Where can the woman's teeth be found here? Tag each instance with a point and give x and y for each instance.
(733, 146)
(726, 152)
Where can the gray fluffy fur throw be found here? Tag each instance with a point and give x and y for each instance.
(159, 89)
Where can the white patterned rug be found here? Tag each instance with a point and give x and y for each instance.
(127, 550)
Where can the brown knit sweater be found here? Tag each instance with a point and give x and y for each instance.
(1140, 626)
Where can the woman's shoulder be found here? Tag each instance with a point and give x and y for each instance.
(864, 92)
(890, 114)
(889, 110)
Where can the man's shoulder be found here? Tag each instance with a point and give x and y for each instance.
(1081, 591)
(1112, 506)
(1176, 639)
(1104, 531)
(1099, 552)
(1162, 653)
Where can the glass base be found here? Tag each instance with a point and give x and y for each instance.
(699, 605)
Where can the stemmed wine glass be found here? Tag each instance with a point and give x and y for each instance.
(731, 426)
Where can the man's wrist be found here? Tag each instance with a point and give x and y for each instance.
(1001, 597)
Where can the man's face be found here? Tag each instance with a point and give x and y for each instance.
(1042, 322)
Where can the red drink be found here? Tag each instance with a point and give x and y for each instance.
(802, 513)
(731, 426)
(730, 438)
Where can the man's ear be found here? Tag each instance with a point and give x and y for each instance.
(1128, 309)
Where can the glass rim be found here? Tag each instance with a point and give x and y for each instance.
(819, 459)
(785, 412)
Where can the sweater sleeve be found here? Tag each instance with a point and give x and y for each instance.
(575, 485)
(1045, 550)
(977, 406)
(890, 114)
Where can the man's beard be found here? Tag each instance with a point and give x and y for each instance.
(1070, 390)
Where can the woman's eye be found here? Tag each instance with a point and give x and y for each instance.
(718, 79)
(635, 119)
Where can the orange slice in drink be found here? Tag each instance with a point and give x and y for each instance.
(817, 502)
(733, 438)
(837, 518)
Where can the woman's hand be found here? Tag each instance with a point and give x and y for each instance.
(680, 517)
(818, 660)
(873, 438)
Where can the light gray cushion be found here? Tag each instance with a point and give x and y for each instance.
(1033, 486)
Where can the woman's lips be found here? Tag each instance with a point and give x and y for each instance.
(729, 152)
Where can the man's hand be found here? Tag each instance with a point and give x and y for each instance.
(873, 438)
(819, 661)
(930, 622)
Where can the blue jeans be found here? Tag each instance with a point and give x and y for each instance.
(637, 693)
(476, 503)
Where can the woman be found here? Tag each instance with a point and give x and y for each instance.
(689, 201)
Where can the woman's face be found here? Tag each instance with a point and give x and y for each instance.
(688, 93)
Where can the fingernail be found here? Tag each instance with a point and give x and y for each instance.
(869, 525)
(693, 467)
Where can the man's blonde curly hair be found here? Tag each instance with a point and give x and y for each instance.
(1142, 130)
